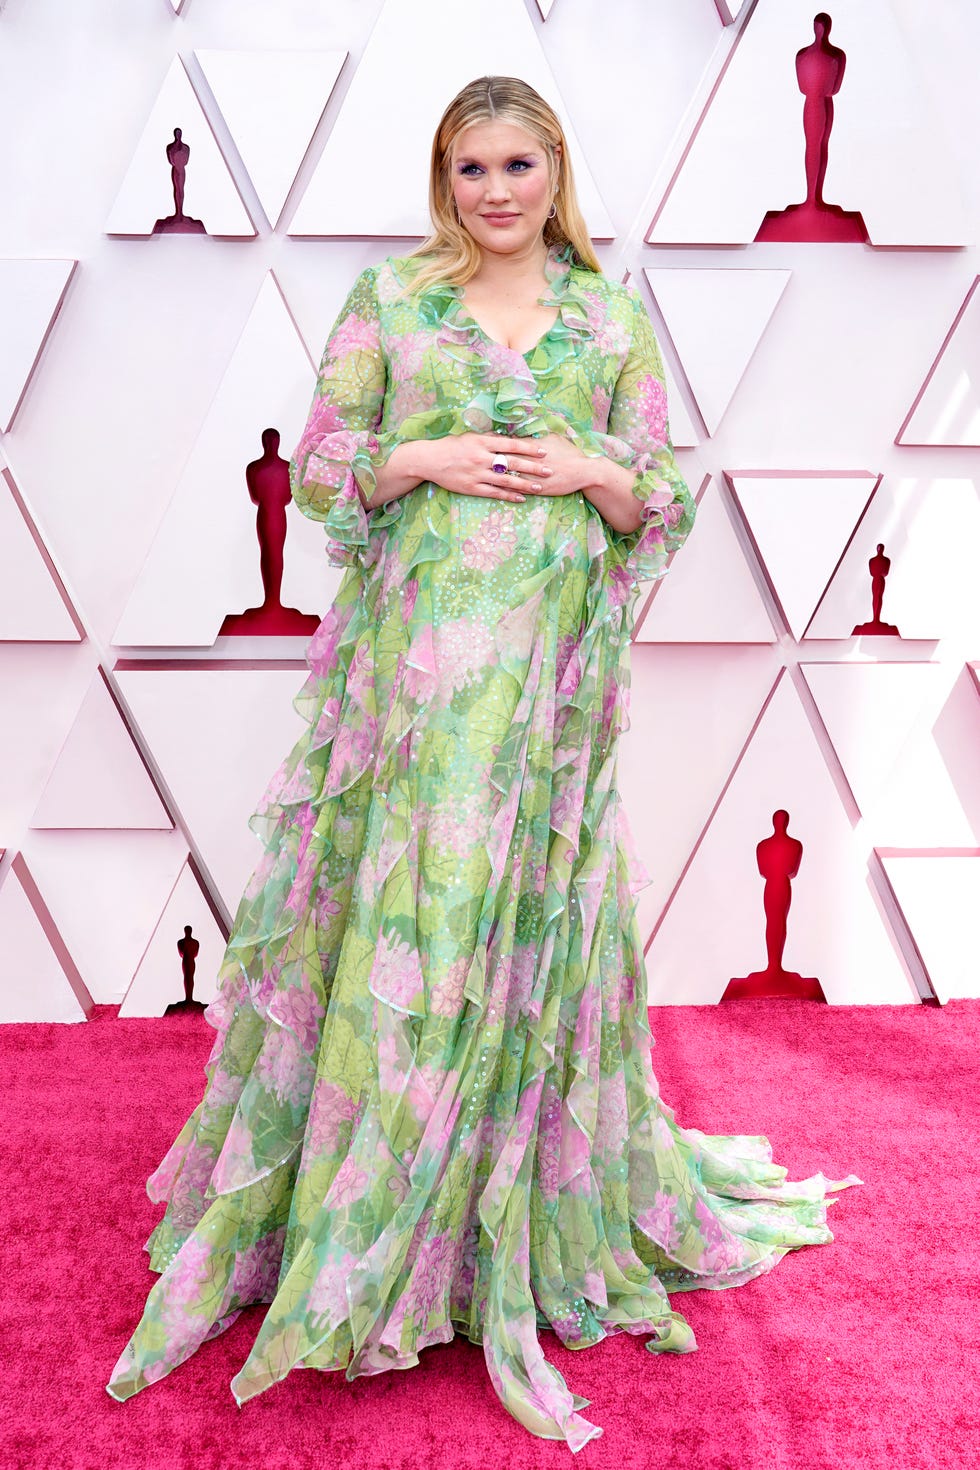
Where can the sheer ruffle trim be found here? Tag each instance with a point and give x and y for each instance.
(346, 461)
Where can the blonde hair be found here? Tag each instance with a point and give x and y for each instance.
(450, 252)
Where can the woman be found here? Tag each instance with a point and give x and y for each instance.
(430, 1105)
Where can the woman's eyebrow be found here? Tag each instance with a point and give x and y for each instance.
(522, 153)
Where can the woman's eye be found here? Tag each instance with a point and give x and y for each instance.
(521, 164)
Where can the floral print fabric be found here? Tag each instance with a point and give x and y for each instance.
(430, 1106)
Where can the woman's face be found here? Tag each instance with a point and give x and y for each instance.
(501, 185)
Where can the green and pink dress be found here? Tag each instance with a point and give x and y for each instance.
(430, 1107)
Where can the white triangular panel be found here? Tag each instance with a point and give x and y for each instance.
(679, 611)
(218, 736)
(775, 505)
(747, 156)
(675, 701)
(146, 194)
(158, 981)
(38, 979)
(99, 779)
(716, 319)
(930, 529)
(947, 407)
(105, 891)
(481, 38)
(714, 929)
(31, 293)
(907, 737)
(204, 561)
(272, 102)
(34, 606)
(939, 895)
(545, 7)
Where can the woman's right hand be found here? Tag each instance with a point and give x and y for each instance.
(461, 463)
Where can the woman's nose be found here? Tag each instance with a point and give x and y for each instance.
(497, 186)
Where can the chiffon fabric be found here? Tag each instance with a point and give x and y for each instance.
(430, 1107)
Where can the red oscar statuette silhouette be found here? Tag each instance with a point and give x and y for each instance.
(819, 74)
(187, 948)
(178, 223)
(779, 858)
(878, 566)
(268, 485)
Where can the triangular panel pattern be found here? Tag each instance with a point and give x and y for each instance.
(714, 929)
(39, 980)
(146, 193)
(939, 896)
(105, 890)
(946, 409)
(31, 295)
(481, 38)
(99, 779)
(907, 736)
(272, 102)
(775, 504)
(158, 981)
(930, 590)
(205, 722)
(704, 702)
(204, 561)
(34, 605)
(678, 611)
(715, 319)
(747, 155)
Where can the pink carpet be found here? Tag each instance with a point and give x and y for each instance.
(857, 1354)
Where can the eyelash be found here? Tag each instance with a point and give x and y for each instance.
(522, 161)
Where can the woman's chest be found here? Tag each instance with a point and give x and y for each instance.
(449, 363)
(515, 324)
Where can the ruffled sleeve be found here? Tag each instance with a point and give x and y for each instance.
(639, 438)
(340, 444)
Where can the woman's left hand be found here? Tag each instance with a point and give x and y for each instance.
(564, 468)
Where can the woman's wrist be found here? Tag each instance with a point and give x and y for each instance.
(610, 490)
(399, 474)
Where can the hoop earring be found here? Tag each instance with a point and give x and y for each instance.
(553, 211)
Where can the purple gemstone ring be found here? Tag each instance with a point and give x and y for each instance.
(499, 465)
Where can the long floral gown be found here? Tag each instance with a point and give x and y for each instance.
(430, 1106)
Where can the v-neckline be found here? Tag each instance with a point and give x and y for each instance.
(485, 334)
(551, 270)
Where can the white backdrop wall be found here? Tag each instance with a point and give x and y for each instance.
(824, 397)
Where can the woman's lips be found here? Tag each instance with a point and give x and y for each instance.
(500, 219)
